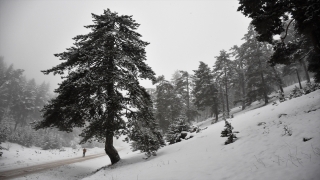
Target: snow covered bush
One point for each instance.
(22, 136)
(310, 87)
(146, 141)
(177, 130)
(3, 135)
(194, 128)
(227, 132)
(49, 142)
(296, 92)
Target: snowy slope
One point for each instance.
(19, 156)
(263, 151)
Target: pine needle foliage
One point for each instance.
(176, 128)
(101, 91)
(227, 132)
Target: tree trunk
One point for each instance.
(227, 99)
(264, 89)
(188, 100)
(298, 78)
(315, 41)
(281, 89)
(216, 113)
(278, 78)
(243, 93)
(305, 70)
(109, 148)
(111, 108)
(15, 126)
(263, 84)
(223, 110)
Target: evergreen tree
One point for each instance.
(227, 132)
(175, 130)
(22, 101)
(239, 66)
(9, 85)
(277, 71)
(290, 69)
(183, 86)
(260, 76)
(268, 17)
(41, 98)
(102, 87)
(205, 91)
(223, 70)
(168, 104)
(292, 51)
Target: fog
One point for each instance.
(181, 33)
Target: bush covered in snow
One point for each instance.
(22, 136)
(227, 132)
(310, 87)
(3, 135)
(50, 142)
(146, 141)
(27, 137)
(180, 129)
(296, 92)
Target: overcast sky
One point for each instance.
(181, 33)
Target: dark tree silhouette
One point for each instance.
(101, 91)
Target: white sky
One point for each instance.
(181, 33)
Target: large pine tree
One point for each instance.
(205, 91)
(223, 70)
(239, 66)
(101, 91)
(168, 105)
(260, 76)
(183, 88)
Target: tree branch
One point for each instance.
(282, 38)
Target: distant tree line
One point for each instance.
(239, 77)
(21, 101)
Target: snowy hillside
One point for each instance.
(277, 141)
(264, 150)
(19, 156)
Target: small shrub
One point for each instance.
(287, 130)
(296, 92)
(147, 141)
(310, 87)
(50, 142)
(22, 136)
(227, 132)
(3, 136)
(176, 130)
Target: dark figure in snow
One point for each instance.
(84, 152)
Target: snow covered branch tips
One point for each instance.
(101, 91)
(227, 132)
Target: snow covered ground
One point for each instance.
(270, 146)
(19, 156)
